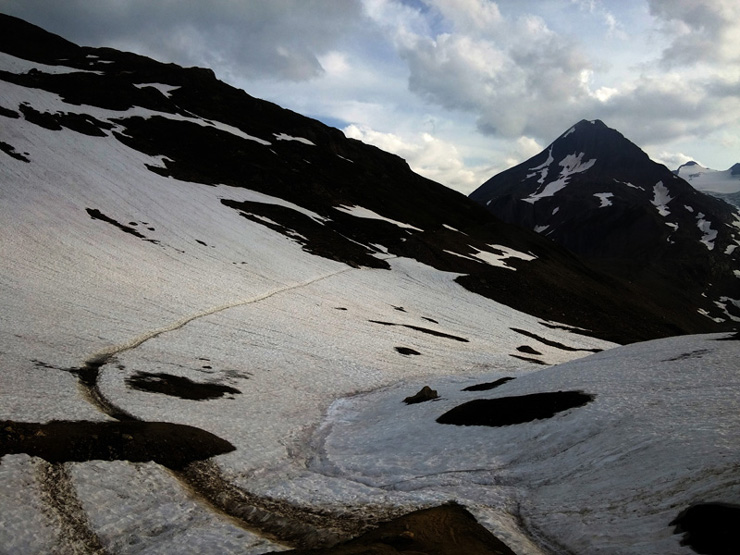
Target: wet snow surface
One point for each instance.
(115, 307)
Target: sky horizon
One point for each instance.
(462, 89)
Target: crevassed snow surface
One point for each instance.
(221, 299)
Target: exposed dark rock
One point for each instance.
(529, 359)
(423, 330)
(171, 445)
(178, 386)
(488, 385)
(506, 411)
(446, 530)
(527, 349)
(710, 528)
(550, 342)
(407, 351)
(10, 151)
(426, 393)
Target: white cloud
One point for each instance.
(427, 155)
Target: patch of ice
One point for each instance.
(540, 228)
(730, 249)
(689, 208)
(556, 210)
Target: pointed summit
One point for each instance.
(599, 195)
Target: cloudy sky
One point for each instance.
(462, 89)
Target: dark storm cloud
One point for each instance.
(277, 38)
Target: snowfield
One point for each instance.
(108, 266)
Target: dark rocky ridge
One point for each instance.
(626, 235)
(331, 172)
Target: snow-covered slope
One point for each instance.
(660, 435)
(140, 293)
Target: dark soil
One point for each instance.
(445, 530)
(426, 393)
(710, 528)
(171, 445)
(514, 410)
(178, 386)
(488, 385)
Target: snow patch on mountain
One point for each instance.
(360, 212)
(165, 89)
(705, 227)
(605, 199)
(661, 198)
(285, 137)
(571, 164)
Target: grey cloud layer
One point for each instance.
(258, 38)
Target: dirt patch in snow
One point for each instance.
(506, 411)
(171, 445)
(426, 393)
(407, 351)
(423, 330)
(488, 385)
(710, 528)
(444, 530)
(178, 386)
(551, 343)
